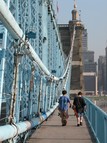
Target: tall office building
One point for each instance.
(89, 67)
(102, 75)
(89, 73)
(85, 40)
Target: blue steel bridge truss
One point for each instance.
(33, 68)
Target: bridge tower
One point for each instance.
(66, 31)
(77, 65)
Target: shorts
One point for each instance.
(80, 114)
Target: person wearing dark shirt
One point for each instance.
(63, 107)
(80, 105)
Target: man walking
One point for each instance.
(79, 104)
(64, 101)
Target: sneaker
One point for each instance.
(63, 124)
(80, 123)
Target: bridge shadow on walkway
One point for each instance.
(51, 131)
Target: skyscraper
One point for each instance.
(89, 67)
(85, 40)
(102, 74)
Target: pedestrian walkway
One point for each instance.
(51, 131)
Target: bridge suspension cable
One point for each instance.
(10, 23)
(68, 67)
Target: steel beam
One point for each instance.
(10, 23)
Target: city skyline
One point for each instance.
(92, 15)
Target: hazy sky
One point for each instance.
(94, 18)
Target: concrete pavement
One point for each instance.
(51, 131)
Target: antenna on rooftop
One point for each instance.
(75, 6)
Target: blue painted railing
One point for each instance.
(97, 119)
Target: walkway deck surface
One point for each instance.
(51, 131)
